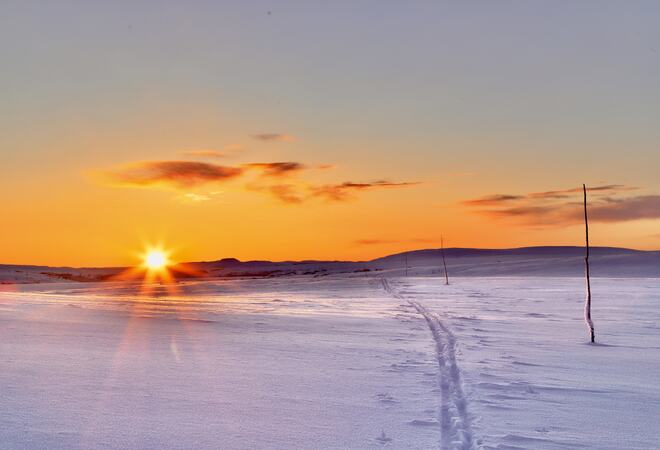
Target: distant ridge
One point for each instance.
(529, 261)
(547, 251)
(524, 261)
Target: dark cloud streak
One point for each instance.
(344, 191)
(277, 169)
(493, 200)
(608, 203)
(178, 174)
(274, 137)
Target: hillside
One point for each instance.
(526, 261)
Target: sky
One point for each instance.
(324, 130)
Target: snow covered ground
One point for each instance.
(339, 362)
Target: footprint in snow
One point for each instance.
(423, 423)
(386, 398)
(383, 438)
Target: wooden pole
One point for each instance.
(587, 304)
(406, 265)
(444, 263)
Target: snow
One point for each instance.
(339, 362)
(463, 262)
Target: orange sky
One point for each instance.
(214, 132)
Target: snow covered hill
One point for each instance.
(526, 261)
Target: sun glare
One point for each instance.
(155, 260)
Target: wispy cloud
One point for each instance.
(567, 193)
(394, 241)
(191, 197)
(375, 241)
(199, 197)
(325, 166)
(300, 193)
(344, 191)
(495, 199)
(276, 169)
(204, 153)
(176, 174)
(286, 193)
(185, 175)
(631, 208)
(225, 152)
(607, 203)
(274, 137)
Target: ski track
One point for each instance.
(455, 427)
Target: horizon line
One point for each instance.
(332, 260)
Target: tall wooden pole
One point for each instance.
(587, 304)
(444, 263)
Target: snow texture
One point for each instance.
(339, 362)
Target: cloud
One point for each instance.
(186, 175)
(177, 174)
(299, 193)
(394, 241)
(274, 137)
(567, 193)
(325, 166)
(632, 208)
(494, 199)
(374, 241)
(607, 203)
(277, 169)
(227, 151)
(286, 193)
(344, 191)
(499, 199)
(191, 197)
(534, 214)
(204, 153)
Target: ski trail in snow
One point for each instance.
(455, 428)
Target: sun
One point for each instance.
(155, 260)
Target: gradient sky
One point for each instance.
(474, 120)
